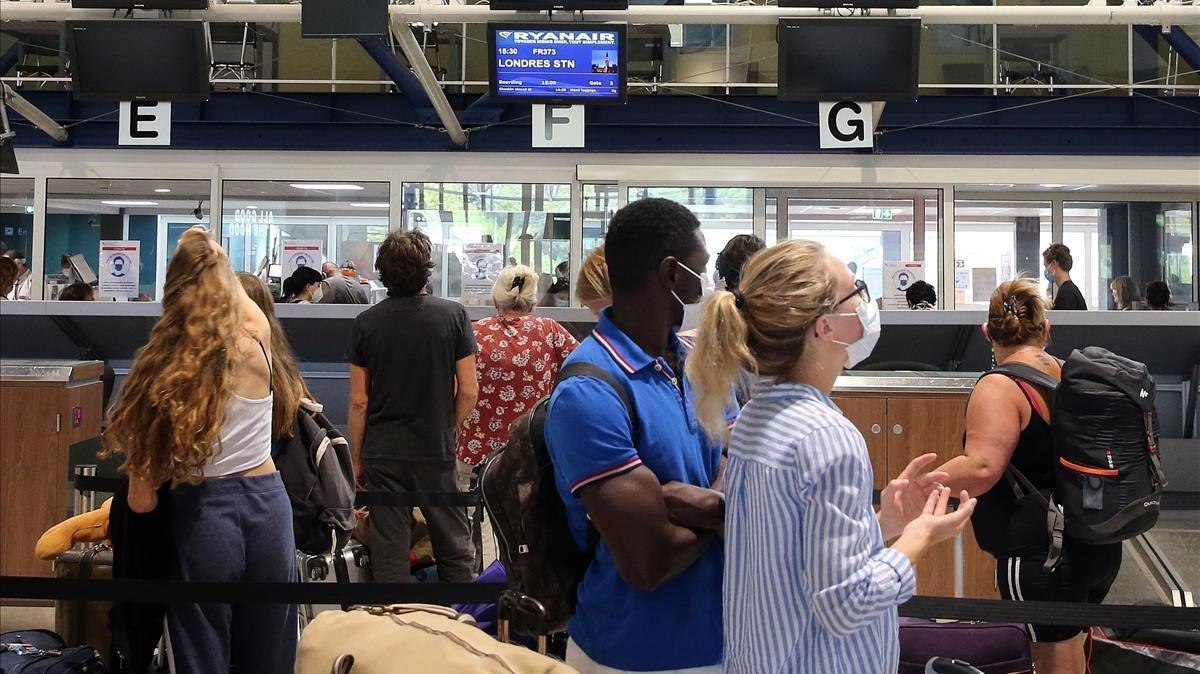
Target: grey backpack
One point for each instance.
(318, 473)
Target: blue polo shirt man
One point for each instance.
(589, 435)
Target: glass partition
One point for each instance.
(724, 212)
(80, 213)
(513, 223)
(267, 223)
(1146, 241)
(16, 231)
(600, 203)
(995, 241)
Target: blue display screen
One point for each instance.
(558, 63)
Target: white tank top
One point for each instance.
(245, 439)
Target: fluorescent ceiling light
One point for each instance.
(326, 186)
(163, 190)
(1052, 186)
(371, 204)
(251, 206)
(129, 203)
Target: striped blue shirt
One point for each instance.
(809, 586)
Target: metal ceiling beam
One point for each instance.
(1158, 14)
(33, 115)
(429, 82)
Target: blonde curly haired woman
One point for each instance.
(195, 413)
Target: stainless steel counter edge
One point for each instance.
(902, 382)
(582, 315)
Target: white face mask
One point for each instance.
(858, 351)
(317, 294)
(691, 312)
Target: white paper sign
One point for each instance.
(297, 253)
(120, 265)
(558, 125)
(482, 265)
(846, 124)
(897, 277)
(144, 123)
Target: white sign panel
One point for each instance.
(120, 265)
(897, 277)
(144, 123)
(297, 253)
(558, 125)
(846, 124)
(481, 267)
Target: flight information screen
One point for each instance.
(558, 63)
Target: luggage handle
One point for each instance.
(511, 599)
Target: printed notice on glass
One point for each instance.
(120, 266)
(897, 278)
(482, 264)
(297, 253)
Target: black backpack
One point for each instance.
(318, 473)
(1108, 478)
(529, 517)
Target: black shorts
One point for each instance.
(1084, 575)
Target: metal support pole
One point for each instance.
(433, 88)
(35, 116)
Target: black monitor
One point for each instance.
(343, 18)
(842, 58)
(138, 60)
(564, 5)
(140, 4)
(564, 63)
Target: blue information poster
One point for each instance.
(558, 63)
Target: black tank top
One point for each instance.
(1003, 525)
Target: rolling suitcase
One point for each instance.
(80, 621)
(993, 648)
(351, 564)
(43, 651)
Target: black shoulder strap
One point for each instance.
(270, 368)
(1026, 373)
(597, 372)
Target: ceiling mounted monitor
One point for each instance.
(849, 59)
(570, 64)
(136, 60)
(564, 5)
(343, 18)
(851, 4)
(140, 4)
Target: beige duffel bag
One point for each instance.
(411, 639)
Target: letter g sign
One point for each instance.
(846, 124)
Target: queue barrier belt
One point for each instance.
(361, 499)
(179, 592)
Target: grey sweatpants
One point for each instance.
(389, 535)
(235, 530)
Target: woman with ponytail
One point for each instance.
(809, 585)
(519, 358)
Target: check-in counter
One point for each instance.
(902, 416)
(46, 407)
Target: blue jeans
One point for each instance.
(235, 529)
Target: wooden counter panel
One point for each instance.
(32, 497)
(867, 415)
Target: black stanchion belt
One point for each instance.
(363, 498)
(178, 592)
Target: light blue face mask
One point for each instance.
(1048, 275)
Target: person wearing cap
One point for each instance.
(339, 288)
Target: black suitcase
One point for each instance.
(351, 565)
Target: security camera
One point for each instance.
(198, 211)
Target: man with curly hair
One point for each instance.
(412, 383)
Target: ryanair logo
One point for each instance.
(563, 36)
(505, 34)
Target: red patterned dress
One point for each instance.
(518, 359)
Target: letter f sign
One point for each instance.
(558, 126)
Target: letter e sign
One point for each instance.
(846, 124)
(144, 123)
